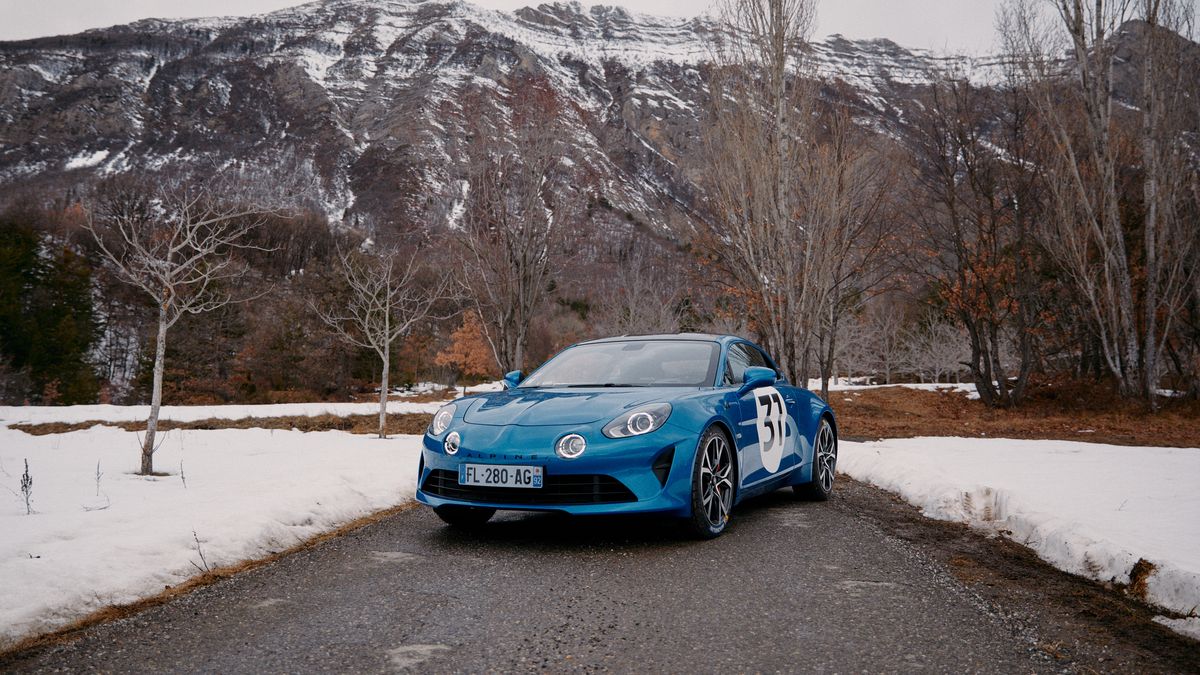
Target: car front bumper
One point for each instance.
(643, 474)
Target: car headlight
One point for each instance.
(452, 442)
(570, 446)
(441, 419)
(638, 421)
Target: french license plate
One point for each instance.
(500, 475)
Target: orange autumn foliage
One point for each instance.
(469, 351)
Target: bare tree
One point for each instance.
(1132, 286)
(518, 202)
(845, 183)
(852, 355)
(387, 296)
(886, 326)
(936, 348)
(974, 199)
(758, 126)
(646, 296)
(178, 245)
(792, 185)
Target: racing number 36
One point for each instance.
(772, 426)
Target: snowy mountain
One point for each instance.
(363, 99)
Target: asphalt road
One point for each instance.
(791, 586)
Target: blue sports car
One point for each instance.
(686, 425)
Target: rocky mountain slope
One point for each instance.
(363, 100)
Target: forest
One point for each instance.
(1038, 231)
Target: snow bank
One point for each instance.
(39, 414)
(967, 388)
(249, 493)
(1089, 509)
(1189, 626)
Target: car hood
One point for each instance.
(551, 407)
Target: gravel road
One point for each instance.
(860, 583)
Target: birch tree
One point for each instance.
(757, 124)
(388, 295)
(179, 246)
(1126, 254)
(791, 188)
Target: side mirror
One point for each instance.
(756, 377)
(512, 379)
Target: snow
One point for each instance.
(1189, 626)
(967, 388)
(1090, 509)
(86, 159)
(191, 413)
(248, 493)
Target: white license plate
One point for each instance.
(500, 475)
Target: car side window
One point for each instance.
(767, 362)
(742, 356)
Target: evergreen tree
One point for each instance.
(47, 321)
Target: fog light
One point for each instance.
(570, 446)
(452, 442)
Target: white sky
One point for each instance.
(941, 25)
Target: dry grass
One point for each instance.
(1058, 414)
(888, 412)
(1139, 576)
(115, 612)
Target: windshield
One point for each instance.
(632, 363)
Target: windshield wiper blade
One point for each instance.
(606, 385)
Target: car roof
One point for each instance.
(700, 337)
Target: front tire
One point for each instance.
(465, 517)
(824, 465)
(712, 485)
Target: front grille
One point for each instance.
(566, 489)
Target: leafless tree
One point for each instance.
(886, 326)
(936, 348)
(519, 200)
(974, 199)
(644, 297)
(852, 355)
(757, 130)
(388, 294)
(845, 184)
(1126, 255)
(179, 246)
(792, 186)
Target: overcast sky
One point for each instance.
(942, 25)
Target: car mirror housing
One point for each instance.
(756, 377)
(512, 379)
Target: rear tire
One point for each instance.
(712, 485)
(824, 465)
(465, 517)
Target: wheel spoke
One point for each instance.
(716, 480)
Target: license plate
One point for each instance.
(500, 475)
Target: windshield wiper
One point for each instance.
(598, 386)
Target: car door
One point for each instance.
(767, 431)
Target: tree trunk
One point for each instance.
(383, 390)
(160, 356)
